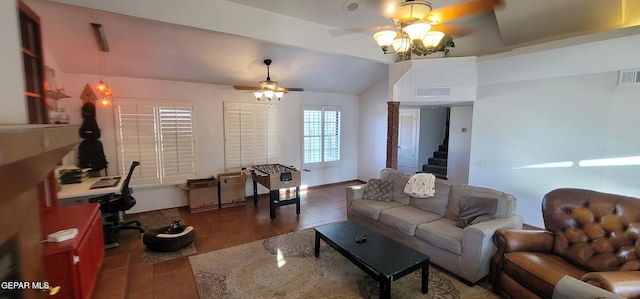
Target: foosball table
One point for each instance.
(275, 177)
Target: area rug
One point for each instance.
(285, 267)
(158, 219)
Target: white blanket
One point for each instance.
(421, 185)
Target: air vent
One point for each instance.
(430, 92)
(629, 77)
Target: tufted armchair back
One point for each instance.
(593, 230)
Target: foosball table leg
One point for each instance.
(274, 195)
(298, 200)
(255, 193)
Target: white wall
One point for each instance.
(554, 106)
(372, 138)
(209, 129)
(291, 135)
(456, 73)
(14, 104)
(460, 119)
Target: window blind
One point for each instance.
(251, 133)
(321, 134)
(160, 135)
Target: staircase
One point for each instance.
(437, 165)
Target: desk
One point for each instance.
(73, 194)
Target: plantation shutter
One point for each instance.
(158, 134)
(273, 131)
(312, 134)
(177, 142)
(321, 134)
(137, 141)
(251, 134)
(331, 134)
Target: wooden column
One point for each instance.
(392, 134)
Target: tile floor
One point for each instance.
(123, 276)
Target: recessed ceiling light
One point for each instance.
(351, 6)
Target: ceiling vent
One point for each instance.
(629, 77)
(431, 92)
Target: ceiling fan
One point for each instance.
(268, 89)
(419, 27)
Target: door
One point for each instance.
(408, 140)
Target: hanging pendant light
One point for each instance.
(105, 102)
(102, 88)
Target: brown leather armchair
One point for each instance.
(589, 235)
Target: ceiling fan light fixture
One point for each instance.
(385, 39)
(413, 26)
(417, 30)
(432, 39)
(268, 90)
(268, 84)
(401, 45)
(414, 21)
(411, 11)
(269, 93)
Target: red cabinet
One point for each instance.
(75, 264)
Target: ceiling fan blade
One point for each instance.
(293, 89)
(345, 31)
(452, 12)
(451, 30)
(240, 87)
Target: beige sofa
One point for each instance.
(429, 224)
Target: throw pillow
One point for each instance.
(453, 206)
(399, 180)
(378, 189)
(476, 209)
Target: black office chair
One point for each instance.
(113, 208)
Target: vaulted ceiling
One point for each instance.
(318, 45)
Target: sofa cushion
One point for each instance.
(436, 204)
(378, 189)
(372, 208)
(406, 218)
(505, 207)
(442, 233)
(399, 179)
(476, 209)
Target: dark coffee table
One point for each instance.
(382, 258)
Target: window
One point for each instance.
(251, 134)
(321, 134)
(32, 59)
(160, 135)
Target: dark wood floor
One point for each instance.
(123, 276)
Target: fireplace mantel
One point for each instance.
(29, 152)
